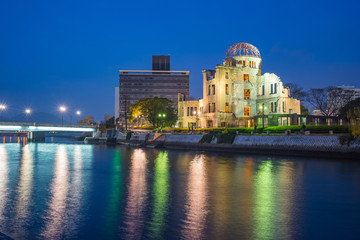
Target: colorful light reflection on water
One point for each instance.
(62, 191)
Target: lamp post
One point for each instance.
(2, 108)
(78, 113)
(27, 112)
(263, 108)
(62, 110)
(197, 118)
(162, 117)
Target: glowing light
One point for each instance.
(2, 107)
(62, 108)
(62, 129)
(10, 127)
(159, 114)
(164, 115)
(27, 111)
(78, 112)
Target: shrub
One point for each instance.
(346, 139)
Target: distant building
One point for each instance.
(107, 117)
(159, 82)
(117, 99)
(237, 94)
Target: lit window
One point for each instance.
(226, 107)
(227, 89)
(246, 77)
(247, 111)
(244, 63)
(246, 93)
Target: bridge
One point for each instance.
(36, 132)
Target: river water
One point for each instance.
(76, 191)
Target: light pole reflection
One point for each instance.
(56, 217)
(197, 200)
(116, 194)
(24, 191)
(137, 195)
(264, 199)
(4, 178)
(160, 195)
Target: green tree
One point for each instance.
(304, 110)
(354, 117)
(159, 112)
(350, 106)
(110, 123)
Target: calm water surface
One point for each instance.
(69, 191)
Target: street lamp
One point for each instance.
(197, 118)
(78, 113)
(162, 116)
(27, 112)
(263, 108)
(62, 110)
(2, 108)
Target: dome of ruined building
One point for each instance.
(242, 49)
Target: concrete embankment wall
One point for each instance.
(321, 146)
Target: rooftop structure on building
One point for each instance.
(158, 82)
(236, 92)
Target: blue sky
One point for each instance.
(70, 52)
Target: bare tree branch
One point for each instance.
(329, 100)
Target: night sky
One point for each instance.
(70, 52)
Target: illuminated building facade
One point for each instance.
(236, 92)
(160, 82)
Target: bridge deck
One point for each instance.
(35, 127)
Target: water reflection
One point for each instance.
(264, 208)
(160, 195)
(287, 199)
(4, 175)
(116, 193)
(25, 188)
(74, 201)
(197, 206)
(137, 195)
(56, 214)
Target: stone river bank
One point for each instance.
(297, 145)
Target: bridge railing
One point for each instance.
(46, 124)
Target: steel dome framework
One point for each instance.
(242, 49)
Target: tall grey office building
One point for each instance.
(139, 84)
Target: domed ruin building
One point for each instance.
(236, 94)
